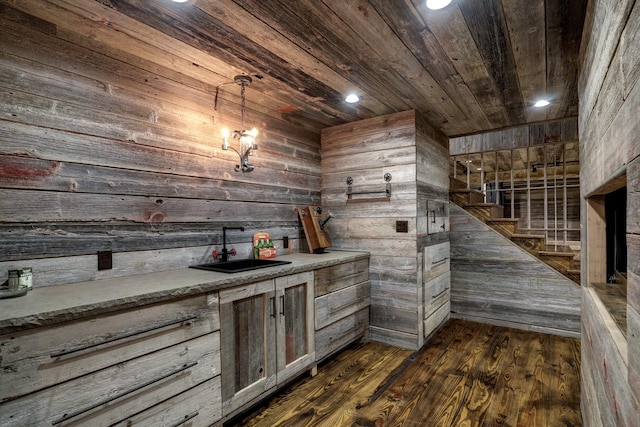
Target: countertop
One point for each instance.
(53, 304)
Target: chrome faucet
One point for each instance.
(225, 253)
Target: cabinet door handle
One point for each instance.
(65, 352)
(273, 307)
(282, 304)
(440, 293)
(433, 220)
(184, 419)
(67, 417)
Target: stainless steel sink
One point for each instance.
(239, 265)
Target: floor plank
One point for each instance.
(469, 374)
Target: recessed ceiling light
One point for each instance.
(352, 98)
(180, 1)
(437, 4)
(541, 103)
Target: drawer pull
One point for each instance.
(439, 262)
(122, 337)
(185, 419)
(440, 293)
(273, 307)
(67, 417)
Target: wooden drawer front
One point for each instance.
(436, 261)
(115, 393)
(432, 322)
(199, 406)
(35, 359)
(331, 279)
(339, 334)
(436, 293)
(336, 305)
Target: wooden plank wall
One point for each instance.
(106, 147)
(522, 136)
(494, 281)
(415, 156)
(609, 144)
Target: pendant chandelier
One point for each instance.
(246, 138)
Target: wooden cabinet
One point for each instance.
(436, 278)
(343, 296)
(438, 216)
(266, 337)
(122, 367)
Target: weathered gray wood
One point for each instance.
(295, 345)
(338, 334)
(436, 293)
(84, 392)
(331, 279)
(415, 155)
(204, 400)
(28, 362)
(344, 302)
(494, 280)
(247, 343)
(610, 347)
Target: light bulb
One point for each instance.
(352, 98)
(541, 103)
(437, 4)
(225, 138)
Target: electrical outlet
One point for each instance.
(105, 260)
(402, 226)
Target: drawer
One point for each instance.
(199, 406)
(434, 321)
(336, 305)
(436, 261)
(39, 358)
(337, 335)
(115, 393)
(436, 293)
(334, 278)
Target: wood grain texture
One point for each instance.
(494, 280)
(414, 155)
(89, 130)
(468, 374)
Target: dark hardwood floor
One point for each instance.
(469, 374)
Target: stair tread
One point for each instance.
(465, 190)
(530, 236)
(482, 205)
(503, 220)
(557, 253)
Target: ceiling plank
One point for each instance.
(526, 25)
(297, 33)
(425, 92)
(412, 30)
(564, 26)
(451, 31)
(494, 47)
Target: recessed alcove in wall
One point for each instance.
(607, 248)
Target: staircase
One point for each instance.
(561, 258)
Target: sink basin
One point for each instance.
(239, 265)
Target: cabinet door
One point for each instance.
(295, 324)
(247, 332)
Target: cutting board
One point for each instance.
(317, 237)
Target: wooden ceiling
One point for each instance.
(474, 66)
